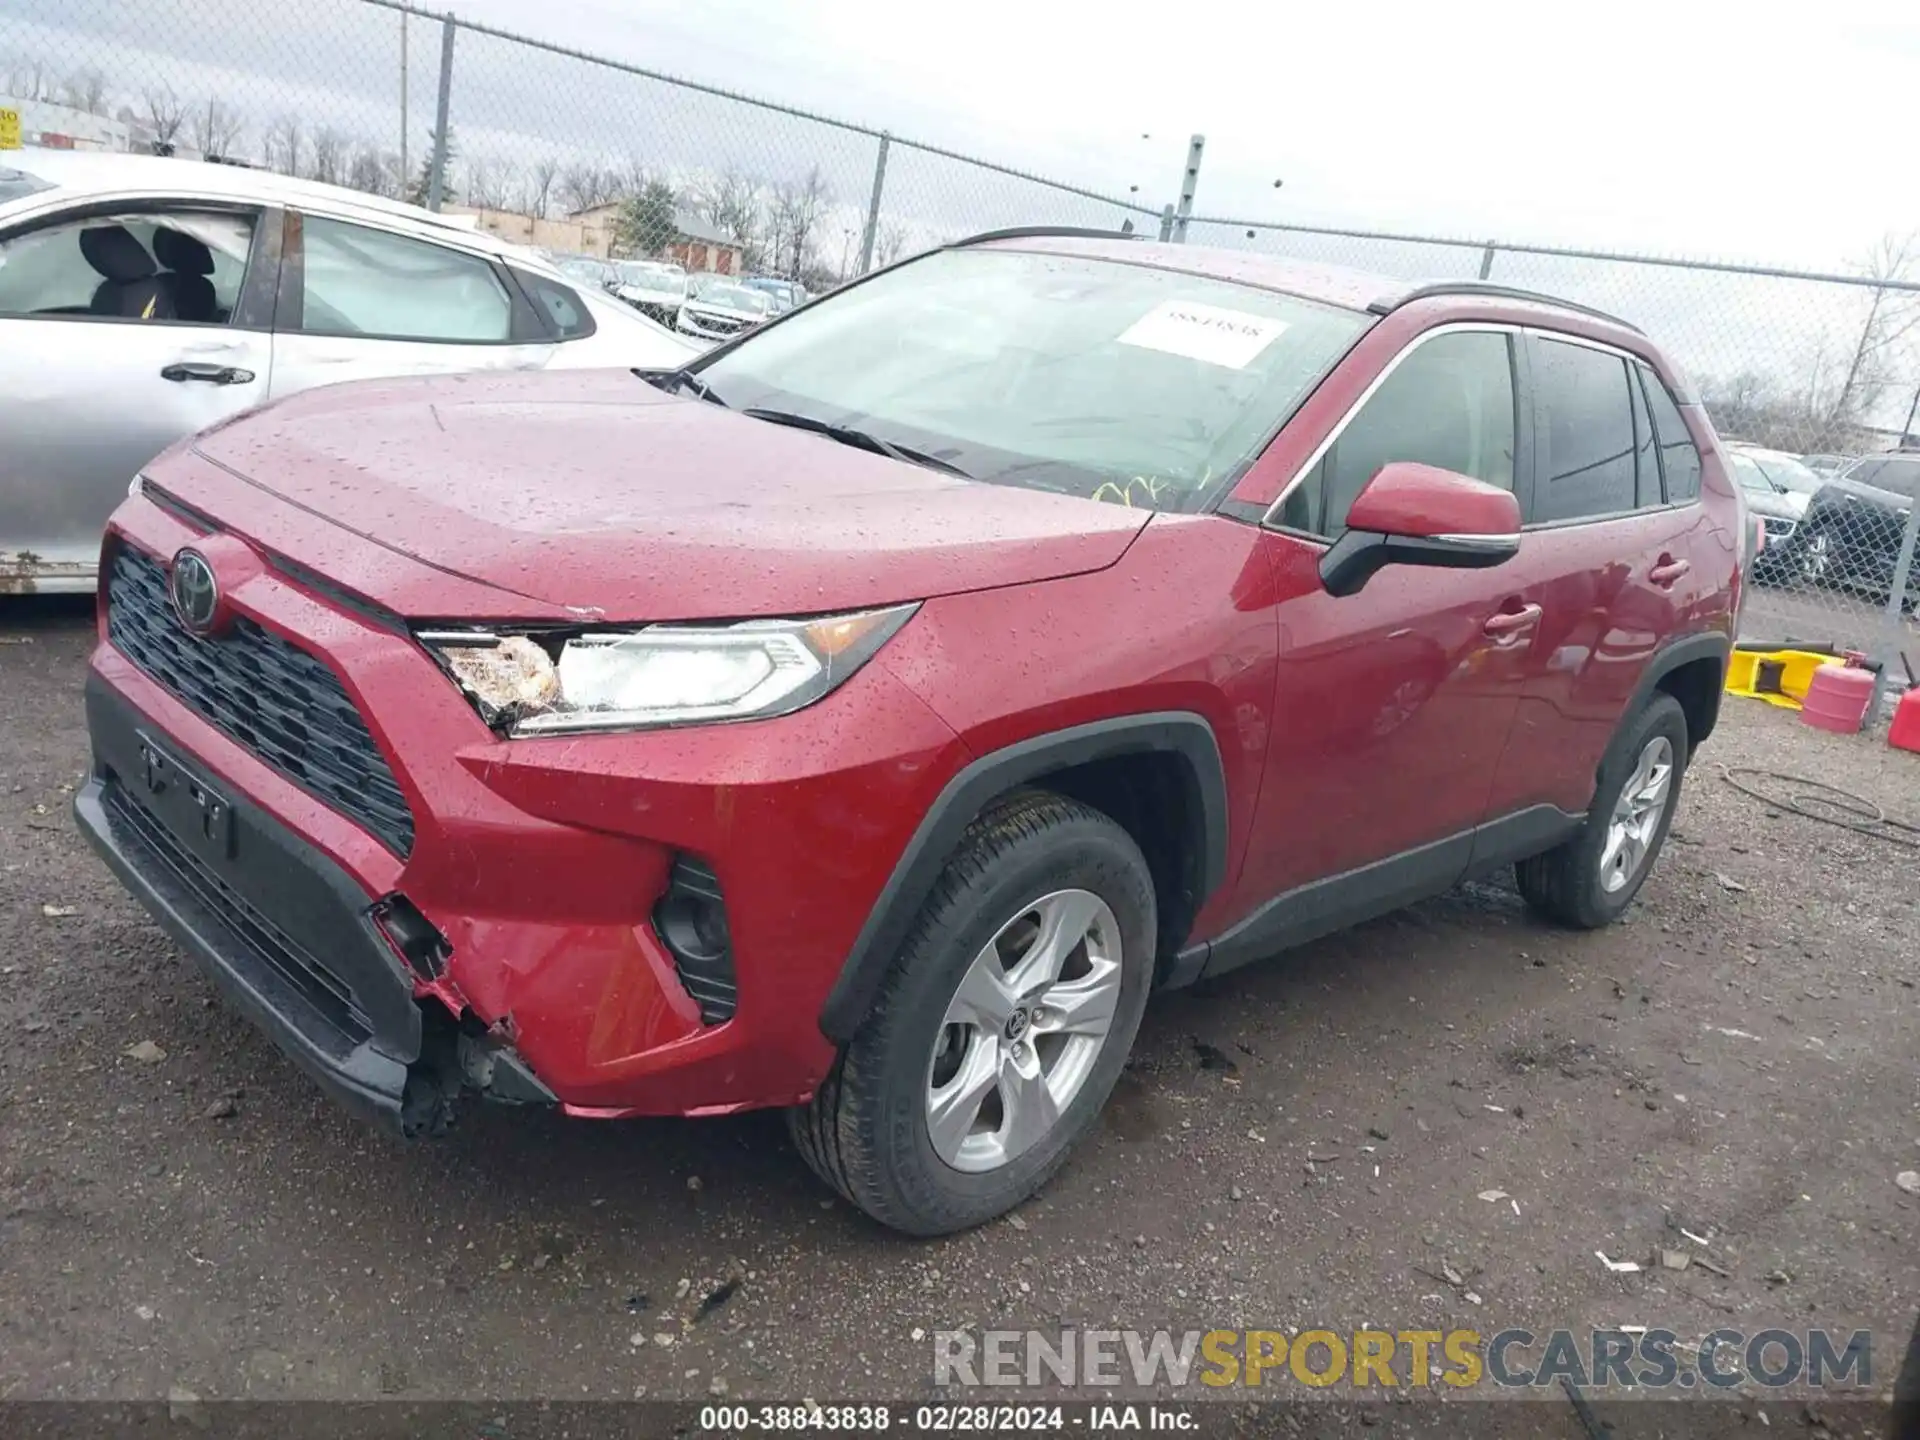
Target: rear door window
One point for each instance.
(362, 281)
(1584, 436)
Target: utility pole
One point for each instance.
(406, 175)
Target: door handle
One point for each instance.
(207, 374)
(1509, 623)
(1668, 571)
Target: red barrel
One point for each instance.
(1906, 721)
(1837, 698)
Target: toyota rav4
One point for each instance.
(868, 718)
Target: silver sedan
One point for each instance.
(143, 299)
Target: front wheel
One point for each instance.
(1590, 880)
(1001, 1028)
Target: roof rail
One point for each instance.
(1497, 292)
(1032, 232)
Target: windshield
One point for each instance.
(1089, 377)
(652, 277)
(17, 185)
(1749, 474)
(730, 293)
(1788, 473)
(1899, 474)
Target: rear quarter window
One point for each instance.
(558, 305)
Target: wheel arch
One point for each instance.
(1172, 755)
(1692, 669)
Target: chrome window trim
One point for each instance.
(1455, 327)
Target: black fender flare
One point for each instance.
(1179, 732)
(1715, 645)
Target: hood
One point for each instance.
(593, 492)
(721, 307)
(675, 293)
(1778, 505)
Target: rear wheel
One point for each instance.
(1591, 879)
(1001, 1028)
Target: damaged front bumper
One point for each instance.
(287, 935)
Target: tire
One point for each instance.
(868, 1131)
(1568, 884)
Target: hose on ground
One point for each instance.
(1817, 800)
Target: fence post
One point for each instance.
(1486, 261)
(437, 166)
(1166, 222)
(1189, 182)
(1892, 630)
(872, 230)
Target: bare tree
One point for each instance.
(285, 143)
(165, 115)
(888, 242)
(585, 186)
(491, 184)
(1892, 316)
(793, 216)
(731, 203)
(377, 172)
(28, 80)
(85, 90)
(538, 195)
(329, 156)
(216, 129)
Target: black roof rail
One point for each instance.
(1034, 232)
(1497, 292)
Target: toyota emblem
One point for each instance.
(194, 591)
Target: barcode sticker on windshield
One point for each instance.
(1209, 333)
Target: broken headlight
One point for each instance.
(659, 674)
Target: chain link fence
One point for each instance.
(581, 153)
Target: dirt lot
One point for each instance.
(1737, 1059)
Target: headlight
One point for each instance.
(660, 674)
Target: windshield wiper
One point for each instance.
(674, 381)
(859, 439)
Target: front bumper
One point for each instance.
(541, 862)
(712, 327)
(250, 901)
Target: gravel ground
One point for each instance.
(1736, 1058)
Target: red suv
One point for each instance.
(865, 719)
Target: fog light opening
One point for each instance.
(691, 921)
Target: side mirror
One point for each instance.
(1411, 514)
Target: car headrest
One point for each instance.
(181, 253)
(113, 253)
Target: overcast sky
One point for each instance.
(1744, 131)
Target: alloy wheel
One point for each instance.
(1636, 815)
(1023, 1030)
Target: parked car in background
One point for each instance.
(1826, 466)
(656, 288)
(864, 724)
(718, 308)
(1779, 511)
(1787, 474)
(787, 294)
(1853, 530)
(588, 270)
(143, 299)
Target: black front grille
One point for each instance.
(280, 702)
(292, 962)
